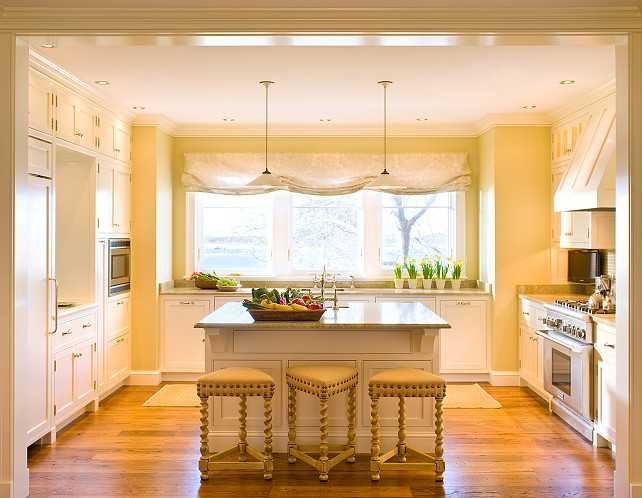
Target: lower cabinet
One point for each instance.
(531, 346)
(73, 377)
(118, 359)
(605, 392)
(182, 343)
(463, 347)
(428, 302)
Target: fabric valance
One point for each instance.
(326, 173)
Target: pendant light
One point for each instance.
(385, 180)
(266, 179)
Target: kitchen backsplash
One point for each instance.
(607, 262)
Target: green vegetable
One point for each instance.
(224, 282)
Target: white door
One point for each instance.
(66, 117)
(101, 299)
(184, 346)
(105, 128)
(64, 381)
(463, 347)
(606, 399)
(41, 304)
(41, 101)
(527, 349)
(118, 359)
(122, 200)
(122, 142)
(105, 196)
(84, 371)
(85, 126)
(118, 316)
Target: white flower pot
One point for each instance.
(399, 283)
(412, 283)
(456, 283)
(441, 283)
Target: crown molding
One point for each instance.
(159, 120)
(60, 75)
(588, 99)
(510, 119)
(33, 21)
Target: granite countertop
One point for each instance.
(549, 298)
(369, 291)
(356, 316)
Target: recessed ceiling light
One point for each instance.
(138, 107)
(422, 119)
(567, 82)
(325, 120)
(530, 106)
(101, 82)
(47, 45)
(228, 119)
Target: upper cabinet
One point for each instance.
(64, 115)
(564, 138)
(113, 205)
(588, 230)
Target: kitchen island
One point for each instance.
(368, 337)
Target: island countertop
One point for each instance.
(397, 316)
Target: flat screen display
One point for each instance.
(583, 265)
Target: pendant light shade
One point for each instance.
(385, 180)
(266, 179)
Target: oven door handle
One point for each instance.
(544, 333)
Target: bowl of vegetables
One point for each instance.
(291, 305)
(204, 280)
(227, 284)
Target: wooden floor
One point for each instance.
(126, 449)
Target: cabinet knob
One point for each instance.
(115, 224)
(85, 325)
(116, 150)
(67, 333)
(78, 134)
(77, 355)
(120, 302)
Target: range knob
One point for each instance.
(583, 334)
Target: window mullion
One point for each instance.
(282, 222)
(371, 233)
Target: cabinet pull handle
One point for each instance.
(120, 340)
(187, 302)
(463, 303)
(115, 224)
(525, 313)
(56, 315)
(116, 150)
(612, 346)
(67, 333)
(78, 134)
(85, 325)
(120, 302)
(77, 355)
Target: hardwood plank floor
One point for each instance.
(125, 449)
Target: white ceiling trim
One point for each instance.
(158, 120)
(496, 119)
(602, 92)
(35, 21)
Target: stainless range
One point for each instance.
(568, 361)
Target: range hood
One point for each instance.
(589, 182)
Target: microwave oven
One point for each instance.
(583, 265)
(119, 266)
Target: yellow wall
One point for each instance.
(151, 238)
(326, 144)
(515, 193)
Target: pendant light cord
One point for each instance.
(385, 84)
(267, 85)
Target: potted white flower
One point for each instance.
(397, 269)
(456, 273)
(427, 271)
(411, 268)
(441, 272)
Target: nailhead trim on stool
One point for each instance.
(401, 383)
(322, 381)
(240, 382)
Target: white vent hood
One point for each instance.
(589, 182)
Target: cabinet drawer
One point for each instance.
(605, 343)
(74, 329)
(117, 317)
(532, 316)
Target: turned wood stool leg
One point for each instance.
(268, 462)
(205, 450)
(242, 428)
(324, 468)
(352, 418)
(439, 440)
(375, 463)
(291, 423)
(401, 444)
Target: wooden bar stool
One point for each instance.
(241, 382)
(401, 383)
(322, 381)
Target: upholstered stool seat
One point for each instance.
(240, 382)
(401, 383)
(322, 381)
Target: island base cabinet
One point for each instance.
(118, 359)
(464, 347)
(73, 378)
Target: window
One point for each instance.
(285, 233)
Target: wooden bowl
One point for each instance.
(286, 315)
(205, 284)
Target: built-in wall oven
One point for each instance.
(119, 266)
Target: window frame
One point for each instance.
(280, 260)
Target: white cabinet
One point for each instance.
(41, 104)
(531, 346)
(220, 300)
(40, 158)
(122, 142)
(118, 317)
(113, 202)
(105, 132)
(41, 303)
(463, 347)
(183, 345)
(564, 138)
(556, 217)
(74, 119)
(118, 359)
(428, 302)
(588, 230)
(605, 389)
(73, 378)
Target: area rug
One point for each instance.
(468, 396)
(175, 395)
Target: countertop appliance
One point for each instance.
(568, 361)
(119, 266)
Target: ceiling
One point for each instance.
(197, 82)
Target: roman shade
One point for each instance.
(325, 173)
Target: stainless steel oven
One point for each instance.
(568, 367)
(119, 266)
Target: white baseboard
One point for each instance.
(145, 377)
(182, 376)
(636, 491)
(504, 378)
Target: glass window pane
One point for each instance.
(236, 232)
(326, 230)
(414, 231)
